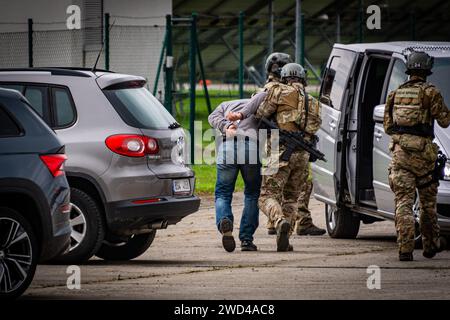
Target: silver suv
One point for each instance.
(354, 182)
(126, 164)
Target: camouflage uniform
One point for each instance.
(414, 103)
(280, 191)
(304, 219)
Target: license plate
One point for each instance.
(181, 186)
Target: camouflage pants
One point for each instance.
(303, 218)
(404, 183)
(280, 191)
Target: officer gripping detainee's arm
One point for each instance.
(270, 104)
(247, 127)
(249, 109)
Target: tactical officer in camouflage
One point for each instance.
(409, 118)
(273, 65)
(293, 111)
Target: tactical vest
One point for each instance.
(287, 111)
(309, 119)
(271, 84)
(408, 113)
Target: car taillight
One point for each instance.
(132, 145)
(54, 163)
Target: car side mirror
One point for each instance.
(378, 113)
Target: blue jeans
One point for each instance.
(228, 168)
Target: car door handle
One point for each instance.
(378, 135)
(332, 125)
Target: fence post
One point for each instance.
(160, 64)
(241, 55)
(192, 80)
(168, 65)
(106, 28)
(202, 73)
(302, 40)
(30, 43)
(298, 30)
(360, 22)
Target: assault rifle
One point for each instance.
(294, 141)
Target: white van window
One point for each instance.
(440, 77)
(398, 75)
(336, 77)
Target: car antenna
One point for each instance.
(101, 49)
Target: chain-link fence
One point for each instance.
(14, 49)
(131, 49)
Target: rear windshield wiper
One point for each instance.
(174, 125)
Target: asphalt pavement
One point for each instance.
(187, 261)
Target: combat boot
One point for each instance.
(283, 228)
(405, 256)
(430, 253)
(311, 230)
(226, 229)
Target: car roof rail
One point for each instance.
(53, 70)
(425, 47)
(82, 69)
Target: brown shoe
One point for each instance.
(226, 229)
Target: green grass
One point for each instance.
(205, 176)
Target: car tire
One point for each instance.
(21, 269)
(135, 246)
(84, 242)
(341, 224)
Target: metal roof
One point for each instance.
(218, 30)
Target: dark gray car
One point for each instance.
(34, 194)
(126, 165)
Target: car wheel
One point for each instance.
(18, 254)
(129, 249)
(341, 224)
(88, 228)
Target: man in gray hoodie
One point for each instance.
(237, 151)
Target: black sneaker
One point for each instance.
(406, 256)
(283, 228)
(226, 228)
(271, 231)
(312, 230)
(248, 246)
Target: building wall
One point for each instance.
(135, 39)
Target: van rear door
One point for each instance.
(334, 96)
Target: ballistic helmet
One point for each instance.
(293, 70)
(419, 61)
(276, 61)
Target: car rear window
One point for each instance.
(139, 108)
(8, 128)
(64, 108)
